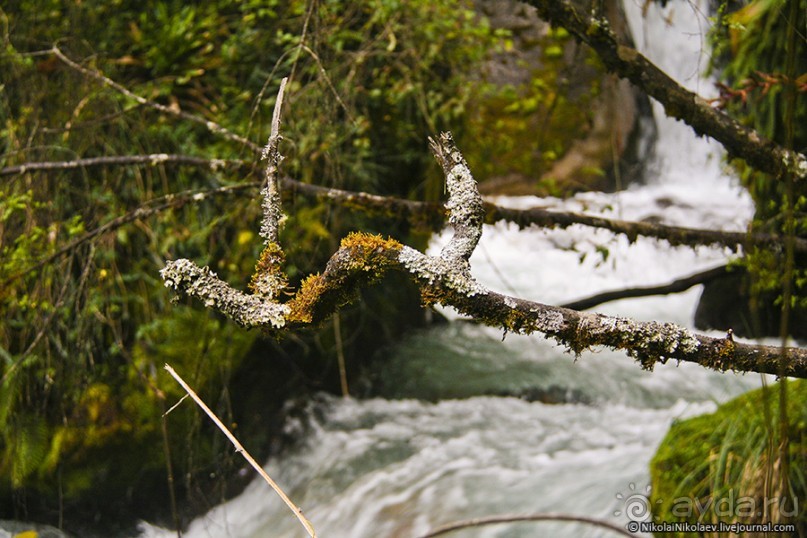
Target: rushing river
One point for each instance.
(458, 427)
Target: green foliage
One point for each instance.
(85, 334)
(711, 467)
(751, 47)
(753, 40)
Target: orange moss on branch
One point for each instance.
(361, 260)
(269, 278)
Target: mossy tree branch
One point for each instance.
(427, 215)
(446, 279)
(680, 103)
(269, 278)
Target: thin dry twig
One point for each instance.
(493, 520)
(676, 286)
(211, 126)
(240, 449)
(329, 83)
(151, 159)
(309, 12)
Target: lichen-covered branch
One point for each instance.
(465, 211)
(187, 278)
(431, 215)
(675, 235)
(269, 279)
(678, 102)
(446, 279)
(271, 191)
(362, 259)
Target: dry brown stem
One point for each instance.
(298, 513)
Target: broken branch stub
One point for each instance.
(269, 279)
(272, 212)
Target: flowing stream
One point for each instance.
(465, 425)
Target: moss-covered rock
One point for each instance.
(549, 119)
(726, 466)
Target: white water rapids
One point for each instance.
(433, 450)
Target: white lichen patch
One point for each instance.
(453, 275)
(463, 197)
(550, 322)
(801, 167)
(465, 213)
(663, 339)
(465, 210)
(272, 215)
(185, 277)
(268, 284)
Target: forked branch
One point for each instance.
(446, 279)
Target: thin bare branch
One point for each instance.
(308, 13)
(152, 159)
(675, 235)
(431, 215)
(676, 286)
(328, 82)
(298, 513)
(515, 518)
(211, 126)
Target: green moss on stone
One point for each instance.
(715, 467)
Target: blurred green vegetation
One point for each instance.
(86, 333)
(525, 128)
(724, 467)
(85, 336)
(752, 52)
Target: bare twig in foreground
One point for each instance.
(240, 449)
(492, 520)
